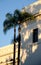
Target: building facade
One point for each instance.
(6, 54)
(31, 36)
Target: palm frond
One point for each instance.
(21, 16)
(8, 15)
(7, 25)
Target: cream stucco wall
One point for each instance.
(6, 53)
(32, 50)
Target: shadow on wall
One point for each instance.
(31, 54)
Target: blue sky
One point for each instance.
(5, 7)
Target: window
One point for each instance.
(35, 35)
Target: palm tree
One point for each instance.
(9, 23)
(20, 16)
(12, 21)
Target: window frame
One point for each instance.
(35, 35)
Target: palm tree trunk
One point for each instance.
(19, 44)
(14, 45)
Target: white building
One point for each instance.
(30, 38)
